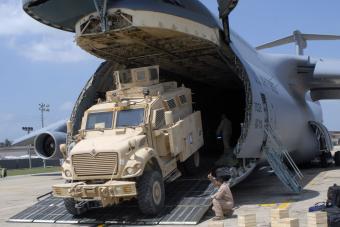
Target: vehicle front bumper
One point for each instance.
(111, 192)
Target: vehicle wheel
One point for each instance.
(70, 205)
(337, 158)
(325, 159)
(192, 164)
(151, 193)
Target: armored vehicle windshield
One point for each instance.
(102, 120)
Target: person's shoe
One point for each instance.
(217, 218)
(229, 214)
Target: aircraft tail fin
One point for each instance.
(300, 40)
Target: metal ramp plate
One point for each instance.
(186, 203)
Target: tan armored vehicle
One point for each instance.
(131, 143)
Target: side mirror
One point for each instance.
(82, 133)
(63, 150)
(69, 126)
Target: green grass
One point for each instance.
(16, 172)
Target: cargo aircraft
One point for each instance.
(272, 100)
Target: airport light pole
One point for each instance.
(43, 108)
(29, 130)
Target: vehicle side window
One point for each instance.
(130, 118)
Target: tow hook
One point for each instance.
(81, 204)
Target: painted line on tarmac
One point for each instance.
(277, 205)
(284, 206)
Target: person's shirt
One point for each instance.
(224, 194)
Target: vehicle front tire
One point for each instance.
(70, 205)
(337, 158)
(151, 192)
(192, 164)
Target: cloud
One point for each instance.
(49, 49)
(14, 21)
(33, 40)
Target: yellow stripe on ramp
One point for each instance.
(283, 205)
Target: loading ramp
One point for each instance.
(187, 201)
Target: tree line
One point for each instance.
(6, 143)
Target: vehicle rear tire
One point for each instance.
(192, 164)
(151, 192)
(337, 158)
(70, 205)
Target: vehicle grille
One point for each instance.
(105, 163)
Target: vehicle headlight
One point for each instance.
(119, 190)
(131, 170)
(68, 173)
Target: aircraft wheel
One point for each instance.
(192, 164)
(325, 159)
(151, 192)
(337, 158)
(70, 205)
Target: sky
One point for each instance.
(39, 64)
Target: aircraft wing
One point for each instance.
(59, 126)
(324, 79)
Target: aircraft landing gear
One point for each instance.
(337, 158)
(326, 159)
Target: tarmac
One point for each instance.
(260, 193)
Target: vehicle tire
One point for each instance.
(337, 158)
(151, 193)
(70, 205)
(325, 159)
(192, 164)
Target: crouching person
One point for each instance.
(223, 201)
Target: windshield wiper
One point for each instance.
(98, 129)
(129, 126)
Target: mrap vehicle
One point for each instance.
(131, 143)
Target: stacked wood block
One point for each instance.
(277, 215)
(247, 220)
(317, 219)
(216, 224)
(288, 222)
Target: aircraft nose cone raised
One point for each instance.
(64, 14)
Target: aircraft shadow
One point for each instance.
(263, 187)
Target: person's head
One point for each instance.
(223, 116)
(221, 179)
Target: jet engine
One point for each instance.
(47, 145)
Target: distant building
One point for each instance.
(20, 152)
(335, 135)
(18, 158)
